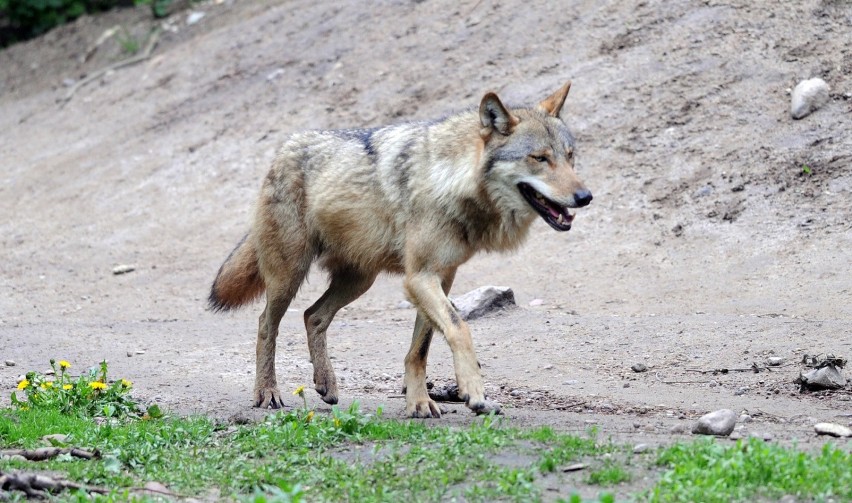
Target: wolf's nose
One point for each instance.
(582, 197)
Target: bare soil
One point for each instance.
(707, 245)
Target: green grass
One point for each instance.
(710, 472)
(353, 456)
(289, 456)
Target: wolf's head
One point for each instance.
(528, 158)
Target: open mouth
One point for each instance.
(554, 214)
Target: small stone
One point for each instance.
(835, 430)
(570, 382)
(828, 377)
(68, 82)
(483, 300)
(639, 367)
(516, 393)
(735, 435)
(575, 467)
(129, 354)
(679, 428)
(140, 352)
(10, 363)
(774, 361)
(16, 457)
(123, 269)
(741, 391)
(548, 367)
(763, 435)
(637, 425)
(703, 191)
(536, 302)
(194, 17)
(55, 439)
(720, 423)
(744, 418)
(808, 96)
(640, 448)
(404, 304)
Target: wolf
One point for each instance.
(416, 199)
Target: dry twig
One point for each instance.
(145, 54)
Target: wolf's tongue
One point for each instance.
(554, 213)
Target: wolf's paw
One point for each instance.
(485, 407)
(268, 396)
(424, 408)
(325, 383)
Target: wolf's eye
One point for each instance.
(569, 154)
(539, 158)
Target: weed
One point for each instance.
(89, 395)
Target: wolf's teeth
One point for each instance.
(560, 220)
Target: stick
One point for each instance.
(45, 453)
(146, 53)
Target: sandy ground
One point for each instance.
(706, 245)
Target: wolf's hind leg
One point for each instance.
(346, 286)
(281, 287)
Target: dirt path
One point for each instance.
(706, 246)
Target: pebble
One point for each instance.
(536, 302)
(516, 393)
(10, 363)
(720, 423)
(835, 430)
(575, 467)
(140, 352)
(640, 448)
(678, 429)
(741, 391)
(123, 269)
(548, 367)
(703, 191)
(774, 361)
(808, 96)
(56, 438)
(129, 354)
(763, 435)
(570, 382)
(735, 435)
(825, 378)
(639, 367)
(194, 17)
(744, 418)
(404, 304)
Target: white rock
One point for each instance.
(835, 430)
(720, 423)
(10, 363)
(640, 448)
(404, 304)
(774, 361)
(808, 96)
(536, 302)
(194, 17)
(483, 300)
(123, 269)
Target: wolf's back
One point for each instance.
(238, 281)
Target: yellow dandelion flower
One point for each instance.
(47, 385)
(67, 386)
(300, 391)
(125, 383)
(97, 385)
(23, 384)
(64, 364)
(310, 416)
(337, 423)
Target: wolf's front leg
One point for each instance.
(425, 291)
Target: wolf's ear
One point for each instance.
(493, 115)
(553, 104)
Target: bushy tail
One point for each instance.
(238, 281)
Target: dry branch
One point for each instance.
(45, 453)
(145, 54)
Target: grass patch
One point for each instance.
(710, 472)
(354, 456)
